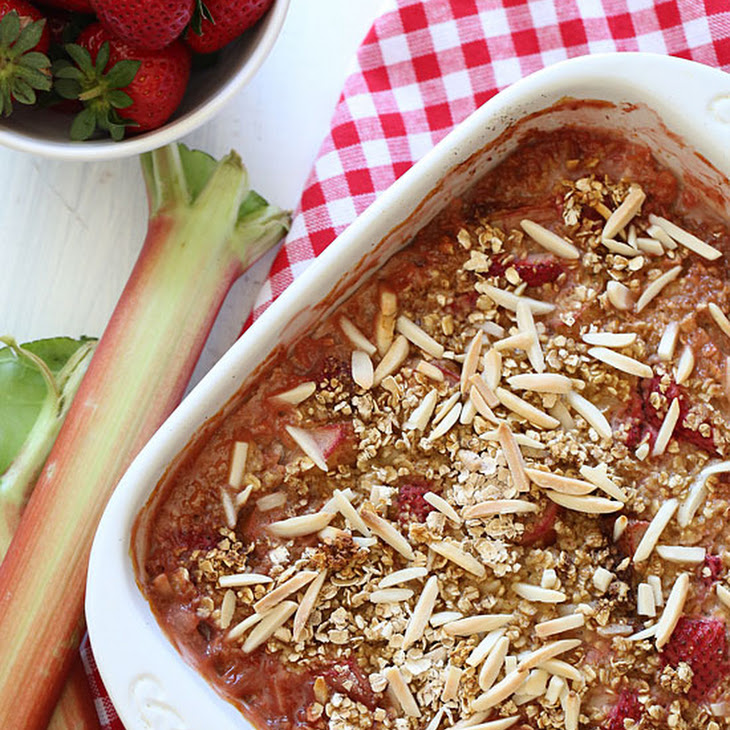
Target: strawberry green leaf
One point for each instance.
(83, 125)
(122, 73)
(29, 37)
(9, 28)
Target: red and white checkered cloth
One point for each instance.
(426, 65)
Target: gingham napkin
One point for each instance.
(425, 66)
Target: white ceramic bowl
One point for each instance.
(46, 133)
(679, 108)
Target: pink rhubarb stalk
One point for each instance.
(205, 227)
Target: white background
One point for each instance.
(71, 231)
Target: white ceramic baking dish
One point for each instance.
(679, 108)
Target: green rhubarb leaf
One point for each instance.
(23, 389)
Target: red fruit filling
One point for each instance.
(412, 507)
(534, 272)
(541, 531)
(628, 707)
(347, 677)
(701, 643)
(710, 570)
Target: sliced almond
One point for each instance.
(238, 580)
(402, 576)
(500, 691)
(492, 361)
(598, 475)
(526, 323)
(269, 623)
(622, 249)
(550, 241)
(243, 626)
(667, 428)
(538, 594)
(420, 416)
(560, 625)
(493, 663)
(559, 668)
(385, 321)
(445, 407)
(430, 371)
(300, 525)
(307, 605)
(356, 337)
(513, 456)
(362, 369)
(444, 617)
(619, 527)
(556, 688)
(458, 556)
(243, 496)
(687, 239)
(445, 424)
(681, 554)
(619, 295)
(526, 442)
(621, 362)
(484, 647)
(685, 366)
(571, 708)
(390, 595)
(471, 362)
(624, 214)
(720, 318)
(308, 445)
(422, 612)
(589, 504)
(519, 341)
(602, 578)
(654, 531)
(659, 234)
(498, 507)
(481, 406)
(653, 288)
(546, 652)
(468, 412)
(656, 585)
(401, 692)
(650, 246)
(723, 594)
(228, 608)
(238, 464)
(271, 501)
(298, 394)
(452, 677)
(419, 337)
(540, 382)
(508, 300)
(394, 357)
(229, 509)
(560, 411)
(645, 603)
(668, 342)
(442, 506)
(672, 611)
(485, 390)
(590, 413)
(343, 505)
(522, 408)
(271, 599)
(566, 485)
(387, 533)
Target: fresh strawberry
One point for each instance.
(24, 66)
(76, 6)
(146, 24)
(701, 643)
(627, 707)
(110, 75)
(411, 505)
(224, 21)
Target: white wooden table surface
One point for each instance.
(70, 232)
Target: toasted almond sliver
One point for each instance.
(619, 526)
(298, 394)
(452, 677)
(418, 420)
(356, 337)
(681, 554)
(668, 342)
(571, 708)
(548, 651)
(243, 626)
(598, 475)
(659, 234)
(522, 408)
(559, 625)
(656, 585)
(589, 504)
(445, 407)
(540, 382)
(237, 580)
(442, 506)
(456, 555)
(526, 323)
(300, 525)
(498, 507)
(484, 647)
(687, 239)
(468, 412)
(723, 594)
(667, 428)
(524, 441)
(508, 300)
(621, 362)
(477, 624)
(624, 214)
(520, 341)
(649, 245)
(228, 608)
(590, 413)
(513, 456)
(445, 424)
(341, 502)
(623, 249)
(655, 529)
(561, 412)
(286, 589)
(308, 602)
(481, 406)
(565, 485)
(419, 337)
(392, 359)
(271, 501)
(538, 594)
(559, 668)
(242, 497)
(444, 617)
(493, 663)
(642, 635)
(270, 622)
(401, 691)
(619, 295)
(653, 288)
(697, 491)
(602, 578)
(500, 691)
(471, 362)
(362, 369)
(492, 362)
(402, 576)
(387, 533)
(229, 509)
(430, 371)
(548, 240)
(556, 688)
(645, 603)
(720, 318)
(436, 719)
(421, 613)
(308, 445)
(390, 595)
(485, 390)
(672, 611)
(238, 464)
(685, 366)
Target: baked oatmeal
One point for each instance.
(491, 490)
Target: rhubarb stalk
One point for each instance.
(205, 227)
